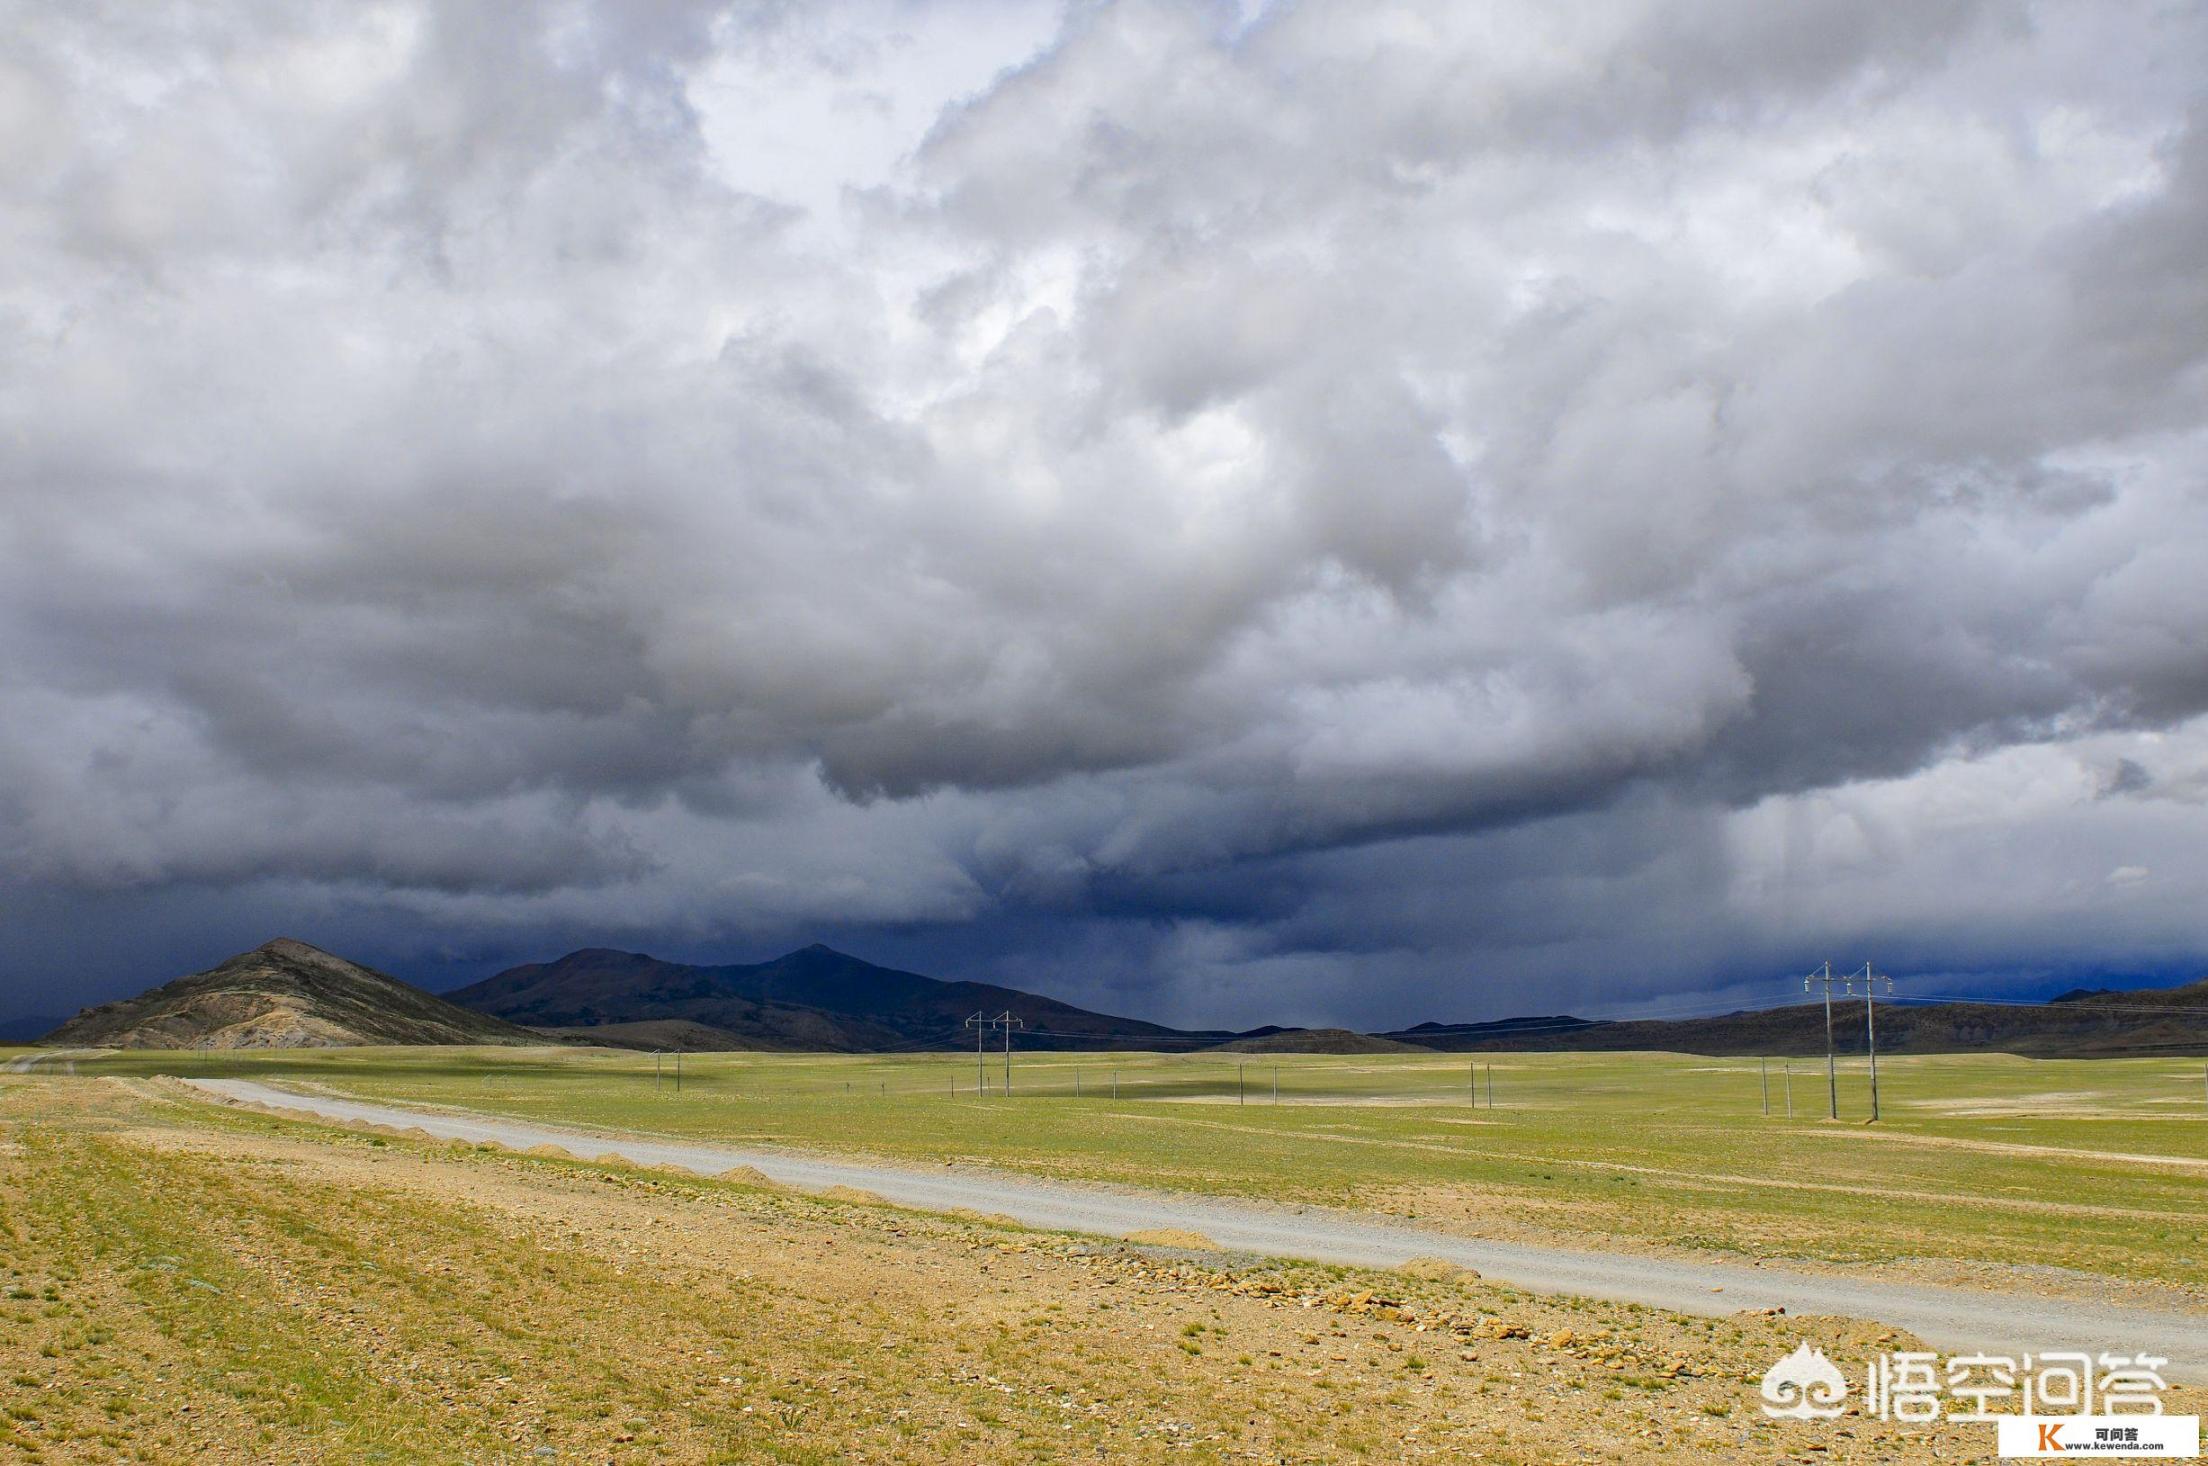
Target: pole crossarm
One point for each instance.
(1825, 979)
(983, 1025)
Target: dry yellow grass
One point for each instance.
(1438, 1269)
(749, 1176)
(191, 1283)
(1178, 1237)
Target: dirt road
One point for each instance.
(1953, 1320)
(63, 1060)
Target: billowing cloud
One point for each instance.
(1343, 512)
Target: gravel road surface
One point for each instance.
(1950, 1319)
(63, 1060)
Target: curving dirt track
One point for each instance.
(1954, 1320)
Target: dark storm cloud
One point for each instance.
(1401, 510)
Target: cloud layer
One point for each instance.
(1321, 511)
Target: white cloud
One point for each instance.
(1064, 482)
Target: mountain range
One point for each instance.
(2081, 1024)
(289, 994)
(815, 998)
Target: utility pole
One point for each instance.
(1790, 1091)
(1276, 1084)
(1871, 980)
(1491, 1086)
(979, 1023)
(1765, 1066)
(983, 1025)
(1824, 976)
(678, 1071)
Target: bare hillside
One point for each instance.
(283, 995)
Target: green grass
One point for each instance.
(1978, 1158)
(114, 1214)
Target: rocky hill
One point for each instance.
(283, 995)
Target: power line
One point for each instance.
(983, 1025)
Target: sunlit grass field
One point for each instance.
(184, 1281)
(2092, 1167)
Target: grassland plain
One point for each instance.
(2088, 1178)
(188, 1281)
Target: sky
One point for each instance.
(1299, 512)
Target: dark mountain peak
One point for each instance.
(819, 956)
(600, 956)
(815, 997)
(1448, 1033)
